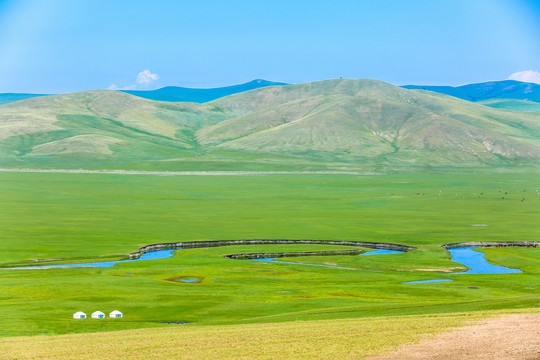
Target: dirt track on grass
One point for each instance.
(510, 337)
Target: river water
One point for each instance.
(152, 255)
(474, 260)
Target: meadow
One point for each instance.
(326, 339)
(98, 216)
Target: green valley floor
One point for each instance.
(90, 217)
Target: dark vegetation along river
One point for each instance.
(465, 255)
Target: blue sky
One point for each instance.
(54, 46)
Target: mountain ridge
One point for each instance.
(505, 89)
(6, 98)
(478, 92)
(325, 124)
(202, 95)
(167, 93)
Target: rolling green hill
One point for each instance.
(333, 124)
(512, 104)
(374, 120)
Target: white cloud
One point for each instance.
(145, 77)
(526, 76)
(143, 81)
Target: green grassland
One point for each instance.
(327, 339)
(512, 104)
(47, 215)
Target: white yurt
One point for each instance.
(116, 314)
(98, 315)
(79, 315)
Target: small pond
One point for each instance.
(427, 281)
(381, 252)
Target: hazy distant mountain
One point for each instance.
(175, 93)
(507, 89)
(11, 97)
(326, 124)
(170, 93)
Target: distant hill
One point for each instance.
(175, 93)
(11, 97)
(512, 104)
(373, 120)
(333, 124)
(507, 89)
(170, 93)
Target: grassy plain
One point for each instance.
(327, 339)
(89, 215)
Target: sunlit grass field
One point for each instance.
(46, 216)
(327, 339)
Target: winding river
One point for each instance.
(465, 255)
(474, 260)
(151, 255)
